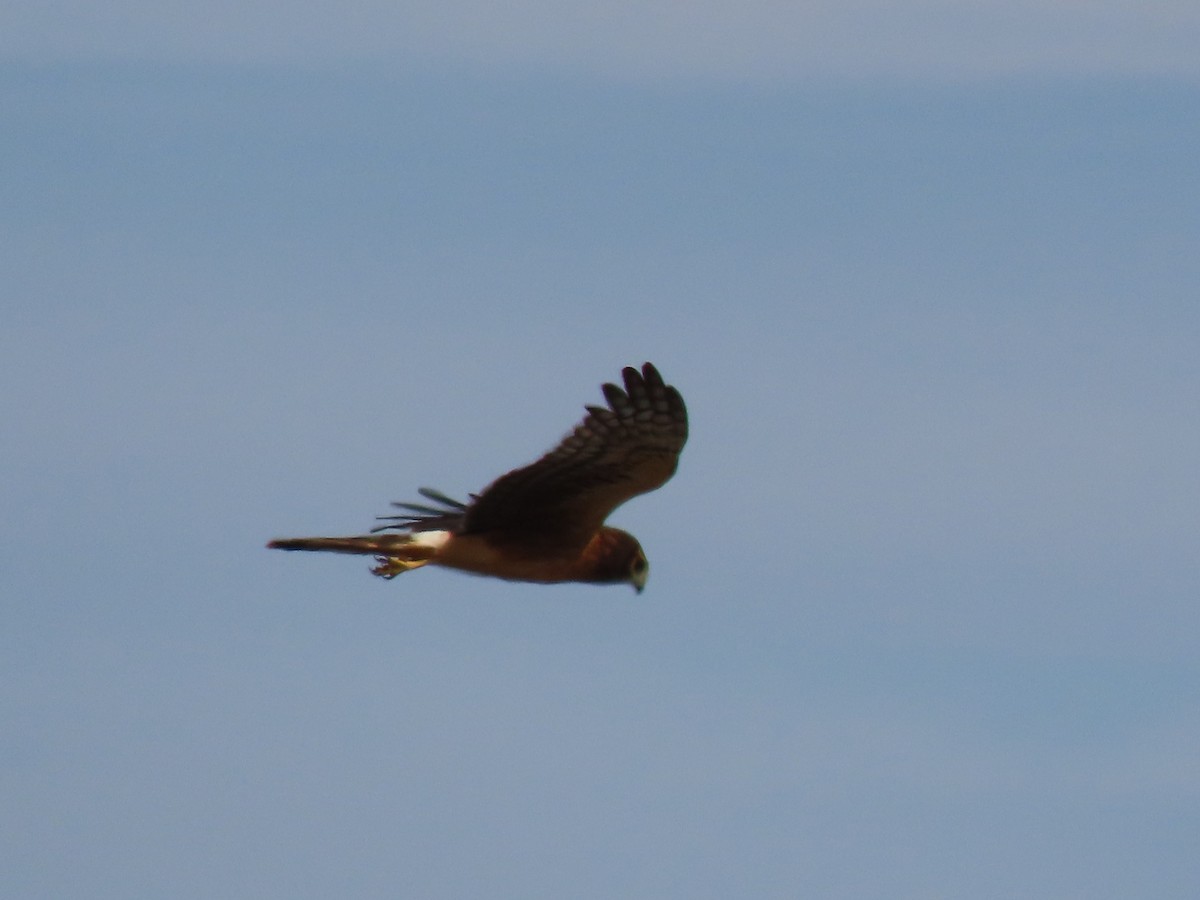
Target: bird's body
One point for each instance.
(544, 522)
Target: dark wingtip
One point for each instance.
(649, 376)
(614, 395)
(438, 497)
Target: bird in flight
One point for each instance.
(544, 522)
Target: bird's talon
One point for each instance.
(389, 567)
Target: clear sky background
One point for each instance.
(922, 619)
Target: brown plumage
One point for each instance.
(545, 522)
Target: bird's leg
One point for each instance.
(390, 566)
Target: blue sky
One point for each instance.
(922, 612)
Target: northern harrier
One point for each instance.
(544, 522)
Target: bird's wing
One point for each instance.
(556, 504)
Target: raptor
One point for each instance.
(544, 522)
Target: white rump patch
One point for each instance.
(434, 540)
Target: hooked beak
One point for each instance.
(638, 579)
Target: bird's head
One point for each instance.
(614, 557)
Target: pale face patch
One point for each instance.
(640, 573)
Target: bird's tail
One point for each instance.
(364, 545)
(396, 552)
